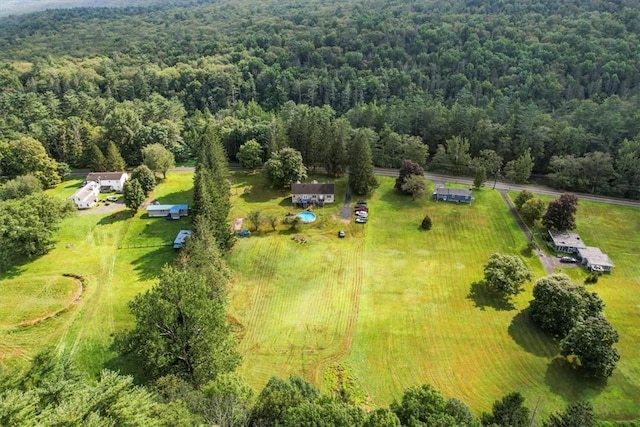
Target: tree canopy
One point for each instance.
(506, 274)
(561, 213)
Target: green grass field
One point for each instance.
(389, 304)
(392, 304)
(119, 256)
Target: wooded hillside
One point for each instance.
(558, 78)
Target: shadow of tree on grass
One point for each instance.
(483, 297)
(116, 217)
(568, 380)
(149, 265)
(527, 335)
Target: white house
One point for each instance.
(312, 193)
(87, 196)
(109, 181)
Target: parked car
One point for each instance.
(362, 202)
(361, 208)
(362, 214)
(341, 234)
(568, 260)
(112, 199)
(361, 220)
(244, 233)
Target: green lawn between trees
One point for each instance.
(388, 305)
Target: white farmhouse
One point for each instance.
(109, 181)
(87, 196)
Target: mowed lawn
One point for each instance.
(118, 255)
(393, 306)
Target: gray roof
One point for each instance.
(312, 188)
(85, 192)
(180, 238)
(105, 176)
(177, 207)
(453, 191)
(595, 256)
(564, 238)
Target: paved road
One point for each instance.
(507, 186)
(536, 189)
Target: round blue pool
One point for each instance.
(306, 217)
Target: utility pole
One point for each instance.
(495, 178)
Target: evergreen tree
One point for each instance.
(361, 178)
(335, 161)
(96, 159)
(113, 161)
(212, 189)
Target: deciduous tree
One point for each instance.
(532, 210)
(522, 198)
(414, 185)
(561, 213)
(558, 305)
(508, 412)
(133, 194)
(20, 187)
(506, 274)
(145, 177)
(250, 155)
(591, 341)
(407, 169)
(519, 170)
(285, 167)
(577, 414)
(158, 158)
(255, 217)
(480, 177)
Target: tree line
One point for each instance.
(53, 392)
(550, 88)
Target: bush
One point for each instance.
(426, 223)
(592, 277)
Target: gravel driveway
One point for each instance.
(103, 208)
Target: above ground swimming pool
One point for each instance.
(306, 217)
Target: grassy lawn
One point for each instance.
(392, 304)
(389, 304)
(97, 247)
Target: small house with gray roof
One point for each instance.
(594, 259)
(564, 241)
(446, 194)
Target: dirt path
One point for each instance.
(74, 300)
(345, 209)
(546, 261)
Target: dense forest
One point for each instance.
(555, 80)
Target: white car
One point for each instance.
(361, 220)
(362, 214)
(112, 199)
